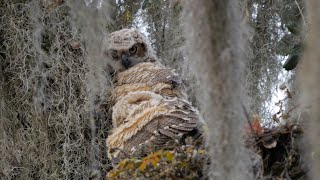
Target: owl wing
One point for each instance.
(150, 111)
(180, 121)
(170, 124)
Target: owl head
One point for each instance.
(126, 48)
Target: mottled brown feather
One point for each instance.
(150, 109)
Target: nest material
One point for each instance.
(279, 152)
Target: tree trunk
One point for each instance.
(215, 50)
(309, 84)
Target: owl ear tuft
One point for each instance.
(144, 46)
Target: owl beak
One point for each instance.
(125, 61)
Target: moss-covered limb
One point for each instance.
(185, 162)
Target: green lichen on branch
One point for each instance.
(183, 162)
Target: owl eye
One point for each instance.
(114, 54)
(133, 49)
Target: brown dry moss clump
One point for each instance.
(183, 162)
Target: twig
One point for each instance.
(300, 10)
(247, 115)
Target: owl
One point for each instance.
(150, 108)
